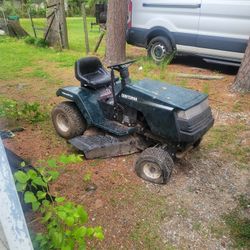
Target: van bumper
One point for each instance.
(137, 37)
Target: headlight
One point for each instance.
(194, 111)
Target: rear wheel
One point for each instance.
(68, 120)
(159, 49)
(154, 165)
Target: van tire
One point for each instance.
(159, 49)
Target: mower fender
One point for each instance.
(76, 95)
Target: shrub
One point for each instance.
(30, 40)
(40, 42)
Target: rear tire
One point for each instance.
(154, 165)
(159, 49)
(68, 120)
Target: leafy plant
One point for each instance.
(30, 40)
(30, 112)
(64, 220)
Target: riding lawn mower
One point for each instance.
(161, 120)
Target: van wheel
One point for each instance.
(68, 120)
(159, 49)
(154, 165)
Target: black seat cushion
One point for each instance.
(90, 72)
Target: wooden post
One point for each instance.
(32, 24)
(85, 28)
(63, 25)
(99, 41)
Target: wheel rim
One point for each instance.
(62, 122)
(152, 170)
(158, 52)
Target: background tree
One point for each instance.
(116, 31)
(242, 80)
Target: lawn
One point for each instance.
(200, 208)
(75, 32)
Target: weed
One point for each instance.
(196, 226)
(224, 139)
(239, 223)
(205, 88)
(30, 112)
(87, 177)
(64, 220)
(30, 40)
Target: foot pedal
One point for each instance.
(100, 146)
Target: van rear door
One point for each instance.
(224, 28)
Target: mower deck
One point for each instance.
(104, 146)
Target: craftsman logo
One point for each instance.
(129, 97)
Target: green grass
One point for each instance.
(227, 139)
(238, 223)
(75, 32)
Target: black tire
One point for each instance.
(68, 120)
(160, 48)
(154, 165)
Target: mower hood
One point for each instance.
(164, 93)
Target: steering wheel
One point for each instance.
(121, 65)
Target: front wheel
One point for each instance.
(159, 49)
(68, 120)
(154, 165)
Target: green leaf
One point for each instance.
(69, 221)
(82, 213)
(66, 247)
(54, 174)
(82, 245)
(80, 232)
(60, 199)
(99, 235)
(52, 163)
(32, 174)
(22, 164)
(35, 205)
(57, 238)
(39, 181)
(62, 215)
(90, 231)
(29, 197)
(47, 216)
(20, 186)
(41, 195)
(46, 203)
(21, 177)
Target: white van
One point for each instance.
(217, 30)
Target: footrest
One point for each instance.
(116, 128)
(100, 146)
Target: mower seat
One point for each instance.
(90, 72)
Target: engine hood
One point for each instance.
(164, 93)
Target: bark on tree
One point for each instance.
(56, 31)
(116, 31)
(242, 80)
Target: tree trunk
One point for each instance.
(56, 33)
(242, 80)
(116, 31)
